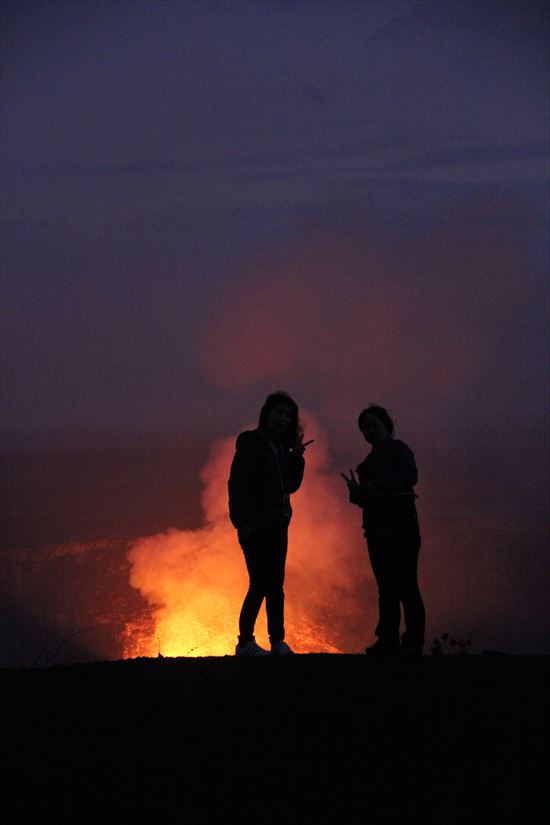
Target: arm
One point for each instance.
(398, 472)
(296, 466)
(356, 492)
(242, 482)
(296, 463)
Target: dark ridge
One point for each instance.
(309, 739)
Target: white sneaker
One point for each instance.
(281, 649)
(251, 649)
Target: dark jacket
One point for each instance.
(386, 480)
(263, 475)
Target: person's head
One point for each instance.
(279, 417)
(375, 423)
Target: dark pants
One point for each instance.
(265, 556)
(394, 564)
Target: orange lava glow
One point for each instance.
(195, 580)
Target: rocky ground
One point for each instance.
(309, 739)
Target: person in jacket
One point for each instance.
(268, 466)
(383, 488)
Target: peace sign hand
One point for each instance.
(352, 481)
(301, 445)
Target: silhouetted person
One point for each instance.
(384, 489)
(267, 468)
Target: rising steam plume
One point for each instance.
(445, 329)
(196, 579)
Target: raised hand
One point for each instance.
(301, 445)
(352, 481)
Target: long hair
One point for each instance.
(292, 435)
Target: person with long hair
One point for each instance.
(383, 488)
(268, 466)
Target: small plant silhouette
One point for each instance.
(48, 660)
(445, 645)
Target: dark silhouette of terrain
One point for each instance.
(307, 739)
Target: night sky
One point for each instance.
(203, 202)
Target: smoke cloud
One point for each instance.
(196, 579)
(419, 321)
(445, 329)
